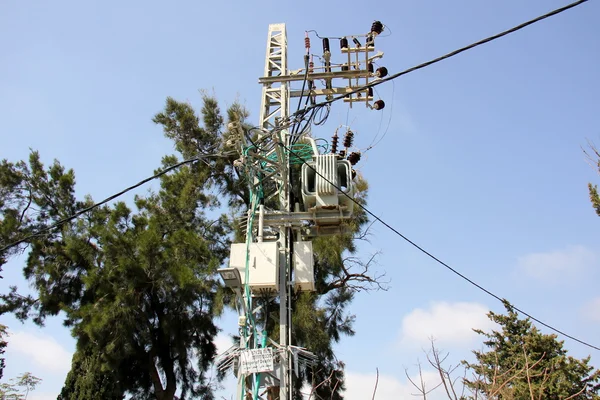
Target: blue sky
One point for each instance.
(481, 164)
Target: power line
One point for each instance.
(436, 60)
(421, 249)
(96, 205)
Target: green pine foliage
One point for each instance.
(520, 362)
(594, 197)
(90, 379)
(593, 158)
(3, 343)
(20, 387)
(136, 281)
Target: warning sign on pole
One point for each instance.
(256, 360)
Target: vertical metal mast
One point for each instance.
(277, 258)
(275, 94)
(274, 110)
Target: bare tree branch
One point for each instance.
(576, 394)
(376, 382)
(355, 275)
(592, 156)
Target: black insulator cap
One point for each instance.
(370, 41)
(379, 105)
(342, 153)
(381, 72)
(370, 92)
(353, 173)
(354, 157)
(325, 45)
(345, 68)
(377, 27)
(356, 42)
(343, 43)
(370, 67)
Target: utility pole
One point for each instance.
(288, 208)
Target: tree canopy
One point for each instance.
(593, 156)
(136, 280)
(517, 362)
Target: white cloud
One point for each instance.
(591, 310)
(555, 266)
(43, 351)
(361, 386)
(42, 396)
(447, 323)
(223, 342)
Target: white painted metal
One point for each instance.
(320, 179)
(263, 261)
(275, 99)
(272, 264)
(303, 261)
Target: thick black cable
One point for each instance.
(96, 205)
(306, 65)
(504, 301)
(451, 54)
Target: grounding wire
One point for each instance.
(306, 65)
(439, 261)
(448, 55)
(96, 205)
(387, 128)
(323, 37)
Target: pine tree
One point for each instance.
(137, 285)
(593, 157)
(136, 282)
(521, 363)
(320, 319)
(3, 334)
(90, 379)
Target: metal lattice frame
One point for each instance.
(275, 96)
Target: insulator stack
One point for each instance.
(344, 43)
(376, 28)
(325, 45)
(348, 139)
(334, 143)
(307, 42)
(354, 157)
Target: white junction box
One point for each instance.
(304, 278)
(262, 263)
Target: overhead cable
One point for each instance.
(436, 60)
(96, 205)
(439, 261)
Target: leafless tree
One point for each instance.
(454, 379)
